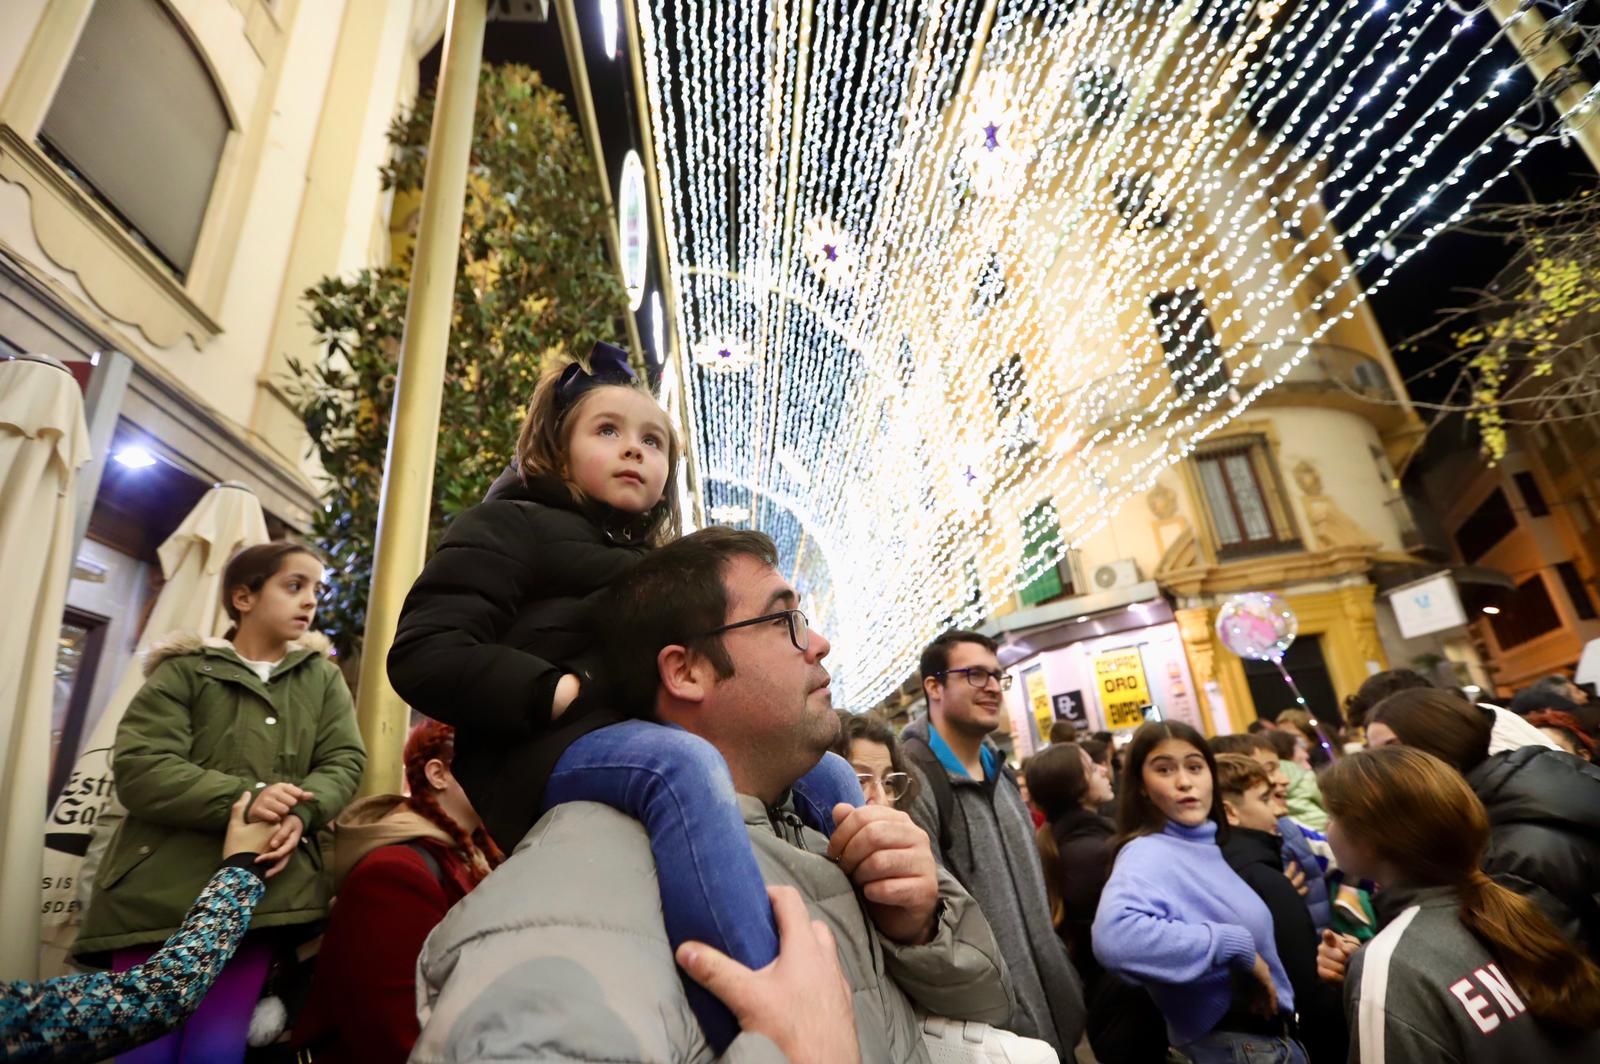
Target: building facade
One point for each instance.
(173, 175)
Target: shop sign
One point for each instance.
(1038, 692)
(1069, 707)
(1428, 606)
(1124, 690)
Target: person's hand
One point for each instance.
(888, 857)
(245, 836)
(1268, 1005)
(1297, 878)
(275, 802)
(566, 693)
(1333, 956)
(280, 848)
(768, 1002)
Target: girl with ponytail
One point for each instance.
(399, 863)
(1463, 969)
(262, 710)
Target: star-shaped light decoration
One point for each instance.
(723, 354)
(830, 252)
(996, 141)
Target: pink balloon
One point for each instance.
(1257, 625)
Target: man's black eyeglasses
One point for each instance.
(980, 677)
(799, 627)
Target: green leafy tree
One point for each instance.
(534, 282)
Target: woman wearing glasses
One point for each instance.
(874, 752)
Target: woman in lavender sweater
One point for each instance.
(1175, 918)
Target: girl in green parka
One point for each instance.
(262, 710)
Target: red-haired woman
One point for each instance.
(399, 864)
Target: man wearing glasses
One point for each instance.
(972, 810)
(562, 953)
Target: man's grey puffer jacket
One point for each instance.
(561, 955)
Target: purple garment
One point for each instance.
(1175, 918)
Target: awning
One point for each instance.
(1057, 624)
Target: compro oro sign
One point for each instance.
(1121, 685)
(633, 228)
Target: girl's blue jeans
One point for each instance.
(677, 785)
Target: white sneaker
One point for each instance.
(959, 1042)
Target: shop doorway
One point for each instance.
(1310, 671)
(83, 636)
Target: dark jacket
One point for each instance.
(1427, 989)
(1544, 841)
(1083, 861)
(500, 613)
(994, 855)
(201, 731)
(1124, 1026)
(1258, 858)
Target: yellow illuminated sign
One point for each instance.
(1124, 691)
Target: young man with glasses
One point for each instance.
(972, 809)
(564, 948)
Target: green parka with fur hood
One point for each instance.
(202, 730)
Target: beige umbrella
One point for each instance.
(43, 441)
(227, 519)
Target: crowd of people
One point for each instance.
(634, 828)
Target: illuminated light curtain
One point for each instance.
(871, 206)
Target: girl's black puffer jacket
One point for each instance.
(503, 609)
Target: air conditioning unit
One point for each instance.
(1116, 575)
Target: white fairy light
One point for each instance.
(1076, 250)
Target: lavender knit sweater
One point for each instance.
(1177, 920)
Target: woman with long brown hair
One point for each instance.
(1543, 804)
(1463, 969)
(1175, 919)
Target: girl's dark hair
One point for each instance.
(1419, 815)
(1246, 743)
(1450, 728)
(431, 741)
(1376, 688)
(1136, 814)
(251, 568)
(1056, 780)
(1099, 751)
(853, 726)
(546, 436)
(1282, 743)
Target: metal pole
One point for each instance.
(102, 405)
(1546, 57)
(419, 390)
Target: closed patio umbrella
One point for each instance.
(43, 441)
(227, 519)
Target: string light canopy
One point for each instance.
(939, 263)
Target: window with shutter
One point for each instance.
(139, 122)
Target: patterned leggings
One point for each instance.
(216, 1033)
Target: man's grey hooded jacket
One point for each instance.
(560, 955)
(993, 853)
